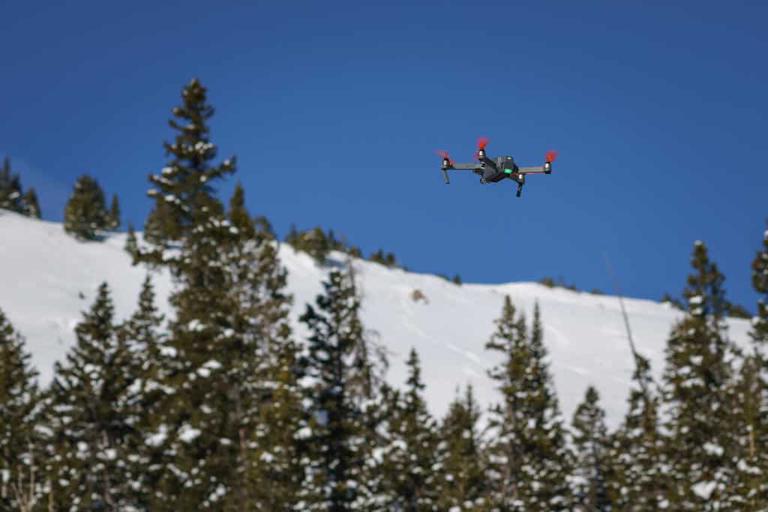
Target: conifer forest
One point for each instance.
(224, 405)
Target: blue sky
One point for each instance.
(335, 110)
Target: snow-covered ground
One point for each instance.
(48, 278)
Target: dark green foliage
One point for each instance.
(313, 242)
(387, 259)
(340, 366)
(131, 243)
(550, 282)
(238, 214)
(85, 215)
(592, 464)
(697, 393)
(410, 453)
(20, 459)
(90, 417)
(751, 483)
(12, 195)
(184, 193)
(146, 366)
(461, 456)
(319, 244)
(113, 217)
(457, 280)
(31, 204)
(637, 480)
(528, 462)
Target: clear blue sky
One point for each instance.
(335, 110)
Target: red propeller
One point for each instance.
(481, 143)
(550, 156)
(445, 156)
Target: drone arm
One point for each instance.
(539, 169)
(465, 167)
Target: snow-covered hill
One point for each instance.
(47, 278)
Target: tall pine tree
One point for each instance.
(184, 193)
(637, 480)
(461, 456)
(341, 370)
(592, 466)
(528, 461)
(410, 467)
(750, 490)
(20, 477)
(697, 381)
(90, 419)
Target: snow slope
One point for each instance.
(47, 278)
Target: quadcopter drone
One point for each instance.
(497, 169)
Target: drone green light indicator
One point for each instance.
(507, 171)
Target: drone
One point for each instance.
(497, 169)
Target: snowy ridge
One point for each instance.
(47, 278)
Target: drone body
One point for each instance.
(497, 169)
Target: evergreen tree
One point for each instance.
(411, 454)
(131, 243)
(31, 206)
(592, 468)
(238, 214)
(86, 215)
(12, 195)
(90, 418)
(113, 217)
(143, 399)
(528, 461)
(184, 193)
(343, 375)
(20, 478)
(696, 391)
(10, 188)
(750, 490)
(637, 480)
(461, 457)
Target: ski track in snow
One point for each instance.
(48, 278)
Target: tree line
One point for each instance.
(223, 407)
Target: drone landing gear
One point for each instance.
(519, 189)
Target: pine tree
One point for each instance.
(146, 367)
(343, 375)
(696, 392)
(113, 217)
(528, 461)
(637, 480)
(592, 466)
(238, 214)
(90, 418)
(86, 215)
(131, 243)
(12, 195)
(461, 457)
(184, 193)
(275, 470)
(10, 188)
(31, 205)
(20, 476)
(750, 490)
(411, 453)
